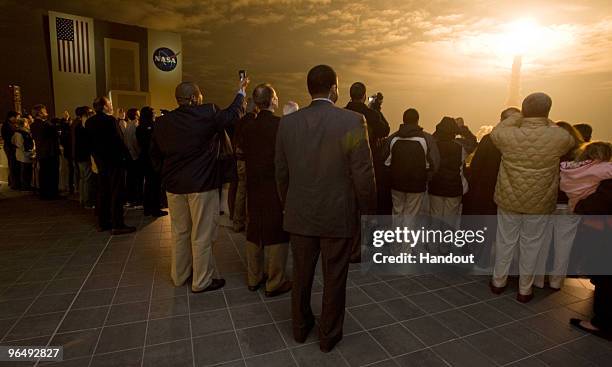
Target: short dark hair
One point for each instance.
(262, 95)
(357, 91)
(11, 114)
(147, 114)
(37, 108)
(99, 103)
(411, 116)
(585, 130)
(536, 105)
(81, 111)
(320, 79)
(131, 113)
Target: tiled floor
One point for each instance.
(109, 301)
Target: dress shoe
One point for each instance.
(496, 290)
(262, 282)
(284, 288)
(328, 346)
(524, 298)
(104, 228)
(301, 336)
(213, 286)
(122, 230)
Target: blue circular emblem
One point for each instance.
(165, 59)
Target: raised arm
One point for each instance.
(234, 112)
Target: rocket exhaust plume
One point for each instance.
(514, 90)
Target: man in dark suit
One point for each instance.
(110, 156)
(325, 177)
(378, 129)
(46, 140)
(265, 234)
(185, 150)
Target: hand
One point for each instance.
(459, 121)
(66, 115)
(244, 83)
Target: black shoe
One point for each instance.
(284, 288)
(122, 230)
(254, 288)
(598, 333)
(160, 213)
(104, 228)
(328, 346)
(213, 286)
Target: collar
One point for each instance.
(323, 99)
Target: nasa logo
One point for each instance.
(165, 59)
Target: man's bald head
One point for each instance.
(188, 94)
(536, 105)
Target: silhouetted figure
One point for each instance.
(152, 181)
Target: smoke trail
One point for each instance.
(514, 90)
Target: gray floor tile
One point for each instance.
(126, 358)
(561, 357)
(525, 337)
(128, 312)
(402, 309)
(259, 340)
(280, 310)
(406, 287)
(396, 339)
(380, 291)
(497, 348)
(459, 322)
(429, 302)
(310, 356)
(371, 316)
(356, 297)
(77, 344)
(217, 348)
(487, 315)
(35, 326)
(595, 350)
(241, 296)
(101, 297)
(14, 308)
(206, 302)
(510, 307)
(459, 353)
(430, 281)
(429, 330)
(210, 322)
(167, 330)
(281, 358)
(424, 358)
(114, 338)
(250, 315)
(176, 354)
(85, 318)
(134, 293)
(552, 329)
(168, 307)
(286, 330)
(361, 349)
(455, 297)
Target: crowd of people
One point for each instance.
(304, 179)
(100, 155)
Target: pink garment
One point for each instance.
(580, 179)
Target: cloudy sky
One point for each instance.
(442, 57)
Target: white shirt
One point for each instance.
(323, 99)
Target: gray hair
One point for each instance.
(290, 107)
(536, 105)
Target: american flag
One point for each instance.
(72, 45)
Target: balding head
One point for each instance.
(536, 105)
(188, 94)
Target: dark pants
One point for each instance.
(25, 175)
(602, 303)
(152, 191)
(134, 180)
(109, 206)
(335, 254)
(13, 165)
(49, 177)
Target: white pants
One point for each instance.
(194, 219)
(447, 209)
(528, 232)
(406, 205)
(564, 228)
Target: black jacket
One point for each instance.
(185, 145)
(46, 139)
(377, 127)
(410, 165)
(105, 141)
(482, 178)
(448, 180)
(265, 208)
(599, 202)
(80, 142)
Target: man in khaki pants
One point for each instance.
(184, 150)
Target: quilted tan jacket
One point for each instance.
(528, 177)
